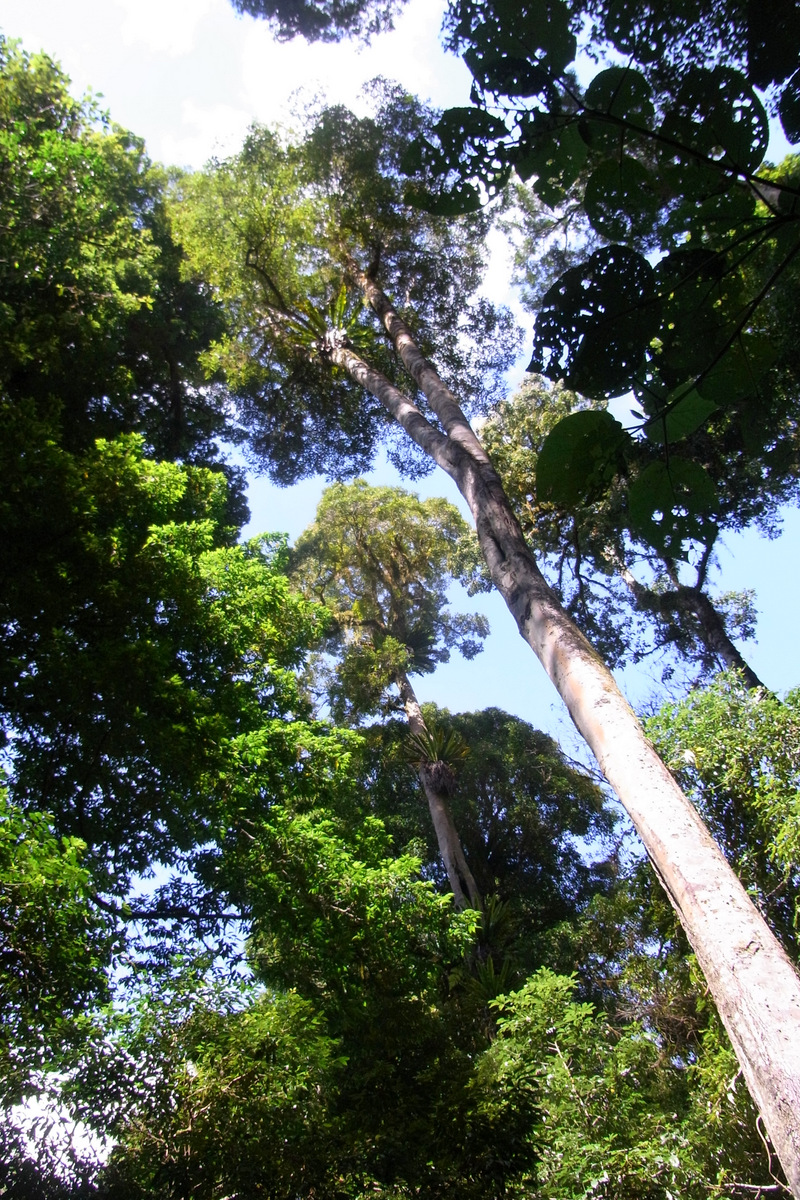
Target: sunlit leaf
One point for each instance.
(684, 413)
(580, 458)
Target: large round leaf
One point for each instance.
(580, 458)
(702, 307)
(737, 372)
(621, 199)
(671, 504)
(617, 103)
(456, 201)
(538, 33)
(717, 114)
(623, 94)
(467, 148)
(596, 322)
(505, 74)
(684, 412)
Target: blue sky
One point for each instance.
(189, 76)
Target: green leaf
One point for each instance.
(552, 149)
(505, 75)
(789, 109)
(684, 413)
(702, 305)
(339, 307)
(471, 146)
(672, 503)
(724, 210)
(622, 93)
(596, 322)
(457, 126)
(621, 200)
(538, 34)
(415, 155)
(717, 114)
(623, 26)
(461, 199)
(737, 373)
(580, 458)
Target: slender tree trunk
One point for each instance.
(714, 634)
(465, 890)
(693, 600)
(752, 980)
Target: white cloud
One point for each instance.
(164, 26)
(206, 131)
(272, 72)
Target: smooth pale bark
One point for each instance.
(753, 982)
(465, 891)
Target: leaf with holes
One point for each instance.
(539, 34)
(624, 94)
(789, 109)
(621, 199)
(672, 504)
(468, 149)
(506, 75)
(718, 115)
(596, 322)
(462, 198)
(552, 149)
(617, 105)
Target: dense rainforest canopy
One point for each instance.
(270, 927)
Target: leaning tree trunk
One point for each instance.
(693, 600)
(465, 891)
(714, 634)
(754, 984)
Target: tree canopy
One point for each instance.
(232, 940)
(290, 333)
(285, 266)
(323, 20)
(382, 560)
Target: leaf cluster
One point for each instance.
(98, 330)
(735, 751)
(662, 158)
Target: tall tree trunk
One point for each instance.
(693, 600)
(714, 634)
(465, 890)
(752, 980)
